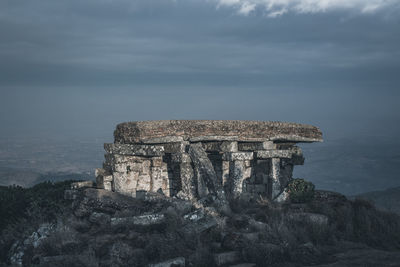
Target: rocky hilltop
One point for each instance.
(96, 227)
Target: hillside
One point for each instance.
(387, 199)
(93, 227)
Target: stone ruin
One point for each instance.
(196, 159)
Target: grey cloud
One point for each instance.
(275, 8)
(324, 68)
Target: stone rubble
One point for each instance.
(141, 220)
(82, 184)
(18, 249)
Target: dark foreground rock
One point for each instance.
(103, 228)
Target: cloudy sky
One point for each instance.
(81, 66)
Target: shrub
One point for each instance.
(13, 204)
(300, 191)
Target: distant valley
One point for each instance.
(27, 162)
(348, 166)
(388, 200)
(352, 166)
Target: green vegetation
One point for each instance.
(17, 203)
(300, 191)
(13, 204)
(23, 209)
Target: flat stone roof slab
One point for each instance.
(206, 130)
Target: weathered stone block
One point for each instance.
(144, 182)
(126, 159)
(134, 149)
(180, 157)
(176, 262)
(107, 178)
(142, 220)
(145, 167)
(267, 154)
(231, 156)
(220, 146)
(108, 185)
(201, 130)
(156, 180)
(253, 146)
(195, 215)
(247, 172)
(162, 140)
(236, 177)
(104, 182)
(99, 172)
(286, 172)
(229, 146)
(225, 172)
(187, 180)
(283, 197)
(107, 167)
(125, 182)
(128, 167)
(82, 184)
(100, 182)
(156, 162)
(275, 177)
(208, 138)
(203, 167)
(211, 146)
(178, 147)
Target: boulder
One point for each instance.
(82, 184)
(176, 262)
(141, 220)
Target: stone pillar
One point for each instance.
(225, 173)
(186, 175)
(236, 171)
(275, 157)
(275, 177)
(104, 180)
(156, 181)
(238, 165)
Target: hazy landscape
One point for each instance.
(70, 71)
(349, 166)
